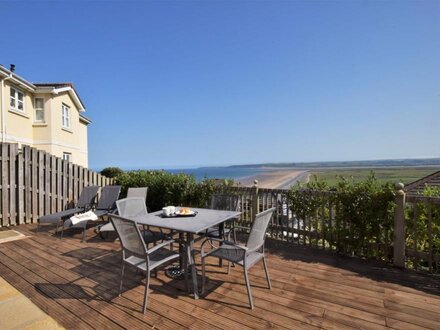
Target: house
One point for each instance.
(47, 116)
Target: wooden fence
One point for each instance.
(35, 183)
(413, 242)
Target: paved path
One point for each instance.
(18, 312)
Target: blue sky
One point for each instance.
(190, 83)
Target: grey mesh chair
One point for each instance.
(132, 207)
(106, 205)
(244, 255)
(223, 202)
(85, 202)
(137, 192)
(107, 228)
(136, 254)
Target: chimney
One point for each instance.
(12, 68)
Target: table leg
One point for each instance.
(178, 272)
(192, 264)
(181, 250)
(221, 235)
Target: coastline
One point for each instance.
(274, 179)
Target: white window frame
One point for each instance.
(39, 109)
(16, 100)
(65, 116)
(67, 156)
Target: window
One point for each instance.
(65, 114)
(67, 156)
(39, 110)
(17, 100)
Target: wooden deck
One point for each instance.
(76, 284)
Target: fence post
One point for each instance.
(399, 227)
(255, 200)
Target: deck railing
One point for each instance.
(422, 233)
(413, 241)
(35, 183)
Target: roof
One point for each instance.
(53, 84)
(85, 119)
(56, 87)
(417, 187)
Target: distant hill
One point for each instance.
(356, 163)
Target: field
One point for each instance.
(383, 174)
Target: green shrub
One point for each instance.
(418, 234)
(111, 172)
(362, 213)
(165, 188)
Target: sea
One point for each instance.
(220, 172)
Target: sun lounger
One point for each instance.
(106, 205)
(85, 202)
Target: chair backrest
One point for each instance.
(131, 207)
(129, 235)
(109, 196)
(224, 202)
(259, 227)
(137, 192)
(87, 196)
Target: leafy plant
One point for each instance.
(165, 188)
(423, 227)
(111, 172)
(361, 218)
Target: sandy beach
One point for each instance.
(274, 178)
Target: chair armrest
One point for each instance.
(254, 249)
(202, 250)
(159, 246)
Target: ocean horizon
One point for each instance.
(220, 172)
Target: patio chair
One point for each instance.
(136, 254)
(132, 207)
(223, 202)
(106, 205)
(85, 202)
(244, 255)
(107, 228)
(137, 192)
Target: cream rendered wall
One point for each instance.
(83, 134)
(18, 125)
(67, 140)
(48, 136)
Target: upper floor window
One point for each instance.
(65, 116)
(17, 100)
(39, 110)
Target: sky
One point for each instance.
(178, 84)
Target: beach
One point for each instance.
(275, 179)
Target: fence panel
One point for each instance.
(35, 183)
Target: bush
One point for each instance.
(165, 188)
(417, 232)
(111, 172)
(363, 213)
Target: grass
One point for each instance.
(401, 174)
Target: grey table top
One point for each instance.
(204, 219)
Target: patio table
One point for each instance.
(190, 226)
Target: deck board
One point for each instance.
(76, 284)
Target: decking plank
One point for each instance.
(76, 283)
